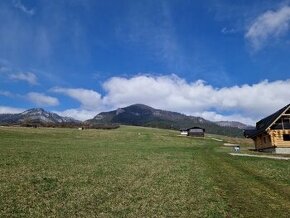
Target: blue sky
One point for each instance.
(220, 59)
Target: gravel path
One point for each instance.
(219, 140)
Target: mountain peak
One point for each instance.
(143, 115)
(34, 110)
(141, 106)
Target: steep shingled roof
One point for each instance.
(265, 123)
(195, 127)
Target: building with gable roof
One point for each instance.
(273, 132)
(193, 131)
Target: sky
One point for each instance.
(218, 59)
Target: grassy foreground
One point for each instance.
(134, 172)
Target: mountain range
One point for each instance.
(36, 116)
(143, 115)
(137, 114)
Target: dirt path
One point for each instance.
(262, 156)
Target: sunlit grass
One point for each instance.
(134, 172)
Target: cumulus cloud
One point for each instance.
(271, 24)
(27, 77)
(244, 103)
(42, 99)
(214, 116)
(89, 99)
(18, 4)
(10, 110)
(78, 113)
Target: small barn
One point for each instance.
(273, 132)
(193, 131)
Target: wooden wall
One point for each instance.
(274, 138)
(277, 138)
(263, 141)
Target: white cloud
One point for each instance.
(91, 103)
(27, 77)
(213, 116)
(89, 99)
(17, 4)
(41, 99)
(271, 24)
(243, 103)
(10, 110)
(78, 114)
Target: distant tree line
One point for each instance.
(68, 125)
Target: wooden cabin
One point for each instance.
(193, 131)
(273, 132)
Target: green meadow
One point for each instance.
(134, 172)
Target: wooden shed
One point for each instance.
(273, 132)
(193, 131)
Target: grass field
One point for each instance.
(134, 172)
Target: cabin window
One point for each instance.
(286, 123)
(265, 140)
(286, 137)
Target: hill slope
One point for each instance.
(143, 115)
(122, 173)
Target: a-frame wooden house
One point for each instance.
(273, 132)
